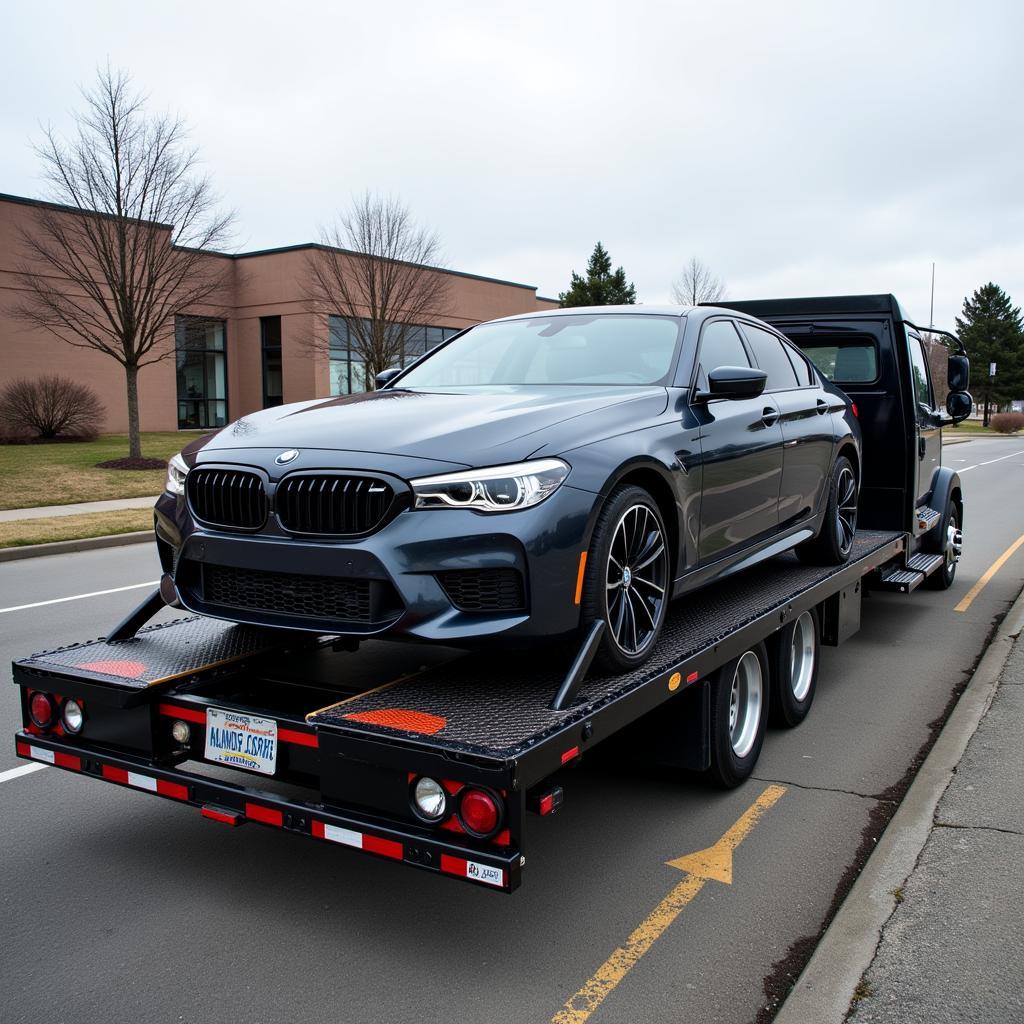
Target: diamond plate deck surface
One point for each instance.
(499, 706)
(159, 653)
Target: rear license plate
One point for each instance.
(241, 741)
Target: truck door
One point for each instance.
(928, 419)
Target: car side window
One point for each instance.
(919, 367)
(720, 345)
(771, 357)
(804, 373)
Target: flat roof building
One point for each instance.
(258, 345)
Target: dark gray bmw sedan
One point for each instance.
(525, 478)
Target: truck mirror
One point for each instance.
(959, 373)
(959, 403)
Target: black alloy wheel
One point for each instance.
(834, 542)
(628, 579)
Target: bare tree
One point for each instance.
(381, 273)
(111, 274)
(696, 284)
(50, 406)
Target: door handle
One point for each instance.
(769, 416)
(822, 406)
(920, 447)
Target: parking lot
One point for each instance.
(124, 908)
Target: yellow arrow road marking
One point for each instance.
(712, 864)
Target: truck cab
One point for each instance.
(906, 384)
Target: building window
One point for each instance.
(348, 374)
(202, 378)
(270, 343)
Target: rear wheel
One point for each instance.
(739, 716)
(834, 541)
(942, 578)
(796, 670)
(627, 579)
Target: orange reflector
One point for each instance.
(579, 577)
(674, 680)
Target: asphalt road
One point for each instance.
(119, 907)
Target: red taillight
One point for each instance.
(41, 710)
(479, 812)
(856, 411)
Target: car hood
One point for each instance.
(465, 426)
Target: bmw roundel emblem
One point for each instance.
(289, 456)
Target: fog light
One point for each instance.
(72, 716)
(429, 799)
(480, 812)
(181, 732)
(40, 710)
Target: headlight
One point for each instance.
(176, 472)
(498, 489)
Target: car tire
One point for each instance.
(834, 542)
(797, 650)
(631, 599)
(739, 717)
(942, 579)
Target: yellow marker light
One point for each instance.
(674, 680)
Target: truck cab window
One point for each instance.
(843, 360)
(919, 368)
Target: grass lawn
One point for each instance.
(61, 474)
(96, 524)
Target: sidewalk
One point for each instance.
(952, 949)
(933, 929)
(82, 508)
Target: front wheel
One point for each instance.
(942, 579)
(739, 717)
(834, 541)
(627, 579)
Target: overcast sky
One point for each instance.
(797, 148)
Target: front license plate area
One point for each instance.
(241, 741)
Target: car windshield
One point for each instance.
(584, 349)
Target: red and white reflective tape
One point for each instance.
(473, 870)
(358, 840)
(55, 757)
(172, 789)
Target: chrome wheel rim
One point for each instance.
(954, 544)
(636, 579)
(745, 701)
(802, 654)
(846, 509)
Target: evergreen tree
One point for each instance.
(992, 332)
(601, 287)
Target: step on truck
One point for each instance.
(439, 766)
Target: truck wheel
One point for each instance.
(627, 579)
(739, 716)
(942, 579)
(796, 670)
(834, 542)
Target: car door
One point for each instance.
(807, 437)
(929, 436)
(741, 452)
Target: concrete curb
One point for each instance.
(63, 547)
(825, 988)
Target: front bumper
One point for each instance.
(543, 544)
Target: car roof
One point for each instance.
(665, 310)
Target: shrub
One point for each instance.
(49, 407)
(1007, 422)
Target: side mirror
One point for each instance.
(959, 404)
(386, 376)
(959, 373)
(736, 382)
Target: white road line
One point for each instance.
(1002, 458)
(22, 769)
(79, 597)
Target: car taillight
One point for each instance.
(479, 812)
(856, 411)
(41, 710)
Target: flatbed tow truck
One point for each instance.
(332, 751)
